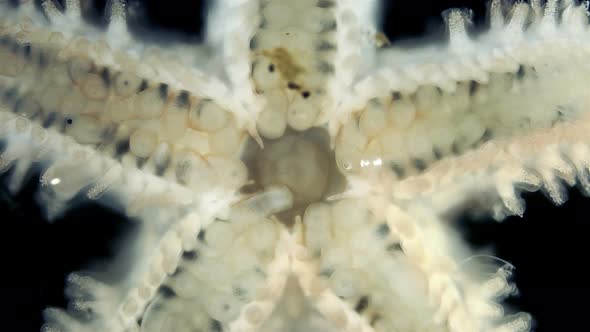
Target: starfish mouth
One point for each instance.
(300, 162)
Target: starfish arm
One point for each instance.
(305, 57)
(464, 297)
(355, 40)
(444, 105)
(385, 269)
(114, 307)
(313, 276)
(57, 44)
(154, 117)
(31, 146)
(231, 26)
(259, 310)
(236, 287)
(501, 136)
(546, 159)
(208, 270)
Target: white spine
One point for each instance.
(232, 23)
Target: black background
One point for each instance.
(547, 246)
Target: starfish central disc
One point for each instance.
(301, 162)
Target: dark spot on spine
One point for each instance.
(397, 169)
(325, 3)
(437, 153)
(121, 148)
(163, 90)
(143, 86)
(166, 292)
(216, 326)
(520, 72)
(396, 95)
(324, 46)
(49, 120)
(27, 51)
(191, 255)
(394, 247)
(201, 235)
(305, 94)
(183, 99)
(140, 162)
(271, 68)
(473, 87)
(362, 304)
(10, 95)
(420, 164)
(105, 75)
(254, 40)
(383, 229)
(161, 167)
(488, 134)
(328, 25)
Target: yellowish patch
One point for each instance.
(381, 40)
(284, 63)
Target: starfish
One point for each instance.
(295, 171)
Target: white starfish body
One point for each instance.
(343, 233)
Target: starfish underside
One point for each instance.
(295, 172)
